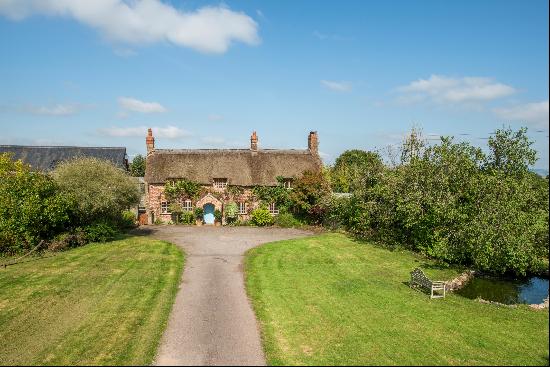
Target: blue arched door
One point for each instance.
(209, 214)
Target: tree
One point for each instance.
(31, 207)
(413, 145)
(511, 152)
(137, 167)
(355, 169)
(101, 190)
(308, 193)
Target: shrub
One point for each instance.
(218, 215)
(287, 220)
(231, 212)
(68, 240)
(199, 213)
(101, 190)
(453, 203)
(307, 194)
(100, 232)
(128, 219)
(31, 207)
(187, 217)
(261, 217)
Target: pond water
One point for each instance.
(530, 290)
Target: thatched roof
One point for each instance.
(241, 167)
(47, 158)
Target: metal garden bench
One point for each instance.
(418, 278)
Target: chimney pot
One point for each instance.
(254, 142)
(313, 142)
(150, 141)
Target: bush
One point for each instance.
(307, 194)
(286, 220)
(100, 232)
(261, 217)
(68, 240)
(453, 203)
(187, 217)
(101, 190)
(128, 219)
(218, 215)
(31, 207)
(199, 213)
(231, 212)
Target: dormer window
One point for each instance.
(287, 183)
(220, 183)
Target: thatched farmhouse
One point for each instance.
(224, 175)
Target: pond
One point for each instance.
(531, 290)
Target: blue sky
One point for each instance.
(206, 74)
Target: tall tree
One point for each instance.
(137, 167)
(511, 152)
(355, 169)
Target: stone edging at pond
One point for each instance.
(460, 281)
(540, 306)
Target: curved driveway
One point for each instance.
(212, 322)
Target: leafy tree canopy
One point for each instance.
(101, 190)
(137, 167)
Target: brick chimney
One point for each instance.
(254, 142)
(313, 142)
(150, 141)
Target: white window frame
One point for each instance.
(273, 209)
(242, 208)
(287, 183)
(164, 205)
(187, 205)
(220, 183)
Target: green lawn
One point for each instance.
(330, 300)
(98, 304)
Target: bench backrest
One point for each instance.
(418, 276)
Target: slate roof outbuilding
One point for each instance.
(46, 158)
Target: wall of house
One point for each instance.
(155, 195)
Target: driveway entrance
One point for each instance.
(212, 322)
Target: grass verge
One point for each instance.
(329, 300)
(101, 304)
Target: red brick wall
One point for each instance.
(155, 195)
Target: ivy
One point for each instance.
(182, 189)
(273, 194)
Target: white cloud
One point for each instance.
(341, 86)
(168, 132)
(210, 29)
(132, 104)
(534, 113)
(443, 89)
(55, 110)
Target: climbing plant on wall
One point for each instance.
(182, 189)
(273, 194)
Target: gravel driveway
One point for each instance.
(212, 322)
